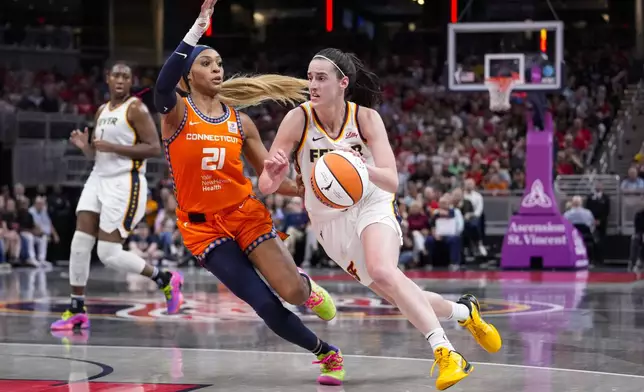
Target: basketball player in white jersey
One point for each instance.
(114, 197)
(365, 239)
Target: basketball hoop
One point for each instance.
(500, 88)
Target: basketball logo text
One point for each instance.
(351, 269)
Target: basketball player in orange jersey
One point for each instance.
(229, 231)
(365, 239)
(114, 196)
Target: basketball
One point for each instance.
(339, 179)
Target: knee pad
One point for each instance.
(79, 258)
(108, 252)
(113, 256)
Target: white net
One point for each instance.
(500, 90)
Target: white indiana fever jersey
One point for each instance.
(112, 126)
(316, 142)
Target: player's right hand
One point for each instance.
(79, 138)
(203, 21)
(353, 152)
(277, 166)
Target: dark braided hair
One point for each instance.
(364, 85)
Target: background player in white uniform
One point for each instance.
(114, 197)
(365, 239)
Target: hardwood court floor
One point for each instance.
(563, 331)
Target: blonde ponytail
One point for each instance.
(244, 91)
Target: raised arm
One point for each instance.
(384, 173)
(256, 154)
(166, 99)
(277, 165)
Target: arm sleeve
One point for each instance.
(165, 97)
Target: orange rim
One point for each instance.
(503, 82)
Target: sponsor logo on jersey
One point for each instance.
(232, 127)
(351, 134)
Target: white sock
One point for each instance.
(437, 338)
(460, 312)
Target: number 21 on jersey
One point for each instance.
(214, 158)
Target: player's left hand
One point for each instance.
(277, 165)
(103, 146)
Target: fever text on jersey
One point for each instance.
(316, 153)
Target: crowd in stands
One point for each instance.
(449, 147)
(43, 36)
(28, 225)
(634, 181)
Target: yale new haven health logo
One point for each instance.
(219, 307)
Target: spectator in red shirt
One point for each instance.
(416, 218)
(476, 172)
(582, 135)
(418, 224)
(83, 106)
(564, 166)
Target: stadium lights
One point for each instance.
(209, 30)
(329, 16)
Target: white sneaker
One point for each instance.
(32, 263)
(46, 264)
(482, 249)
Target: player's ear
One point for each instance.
(344, 82)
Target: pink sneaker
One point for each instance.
(173, 294)
(70, 338)
(69, 321)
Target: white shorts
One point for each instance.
(340, 237)
(120, 201)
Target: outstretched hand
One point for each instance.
(203, 20)
(277, 165)
(80, 138)
(207, 8)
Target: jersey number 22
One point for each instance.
(214, 158)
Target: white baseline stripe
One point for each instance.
(374, 357)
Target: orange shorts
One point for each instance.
(248, 224)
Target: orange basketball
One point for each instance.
(339, 179)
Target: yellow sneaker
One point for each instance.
(452, 368)
(485, 334)
(320, 301)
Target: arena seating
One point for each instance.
(440, 139)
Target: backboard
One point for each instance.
(478, 51)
